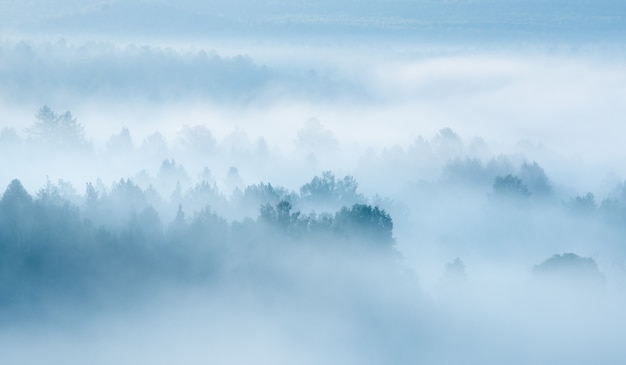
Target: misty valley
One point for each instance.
(490, 243)
(295, 182)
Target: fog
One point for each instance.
(294, 182)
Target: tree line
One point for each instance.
(51, 246)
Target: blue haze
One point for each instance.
(307, 182)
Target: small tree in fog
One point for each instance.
(154, 146)
(467, 171)
(536, 179)
(198, 139)
(585, 204)
(9, 137)
(611, 210)
(121, 143)
(172, 176)
(233, 179)
(57, 129)
(455, 270)
(510, 186)
(571, 268)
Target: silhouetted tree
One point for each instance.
(329, 193)
(17, 216)
(570, 267)
(320, 188)
(510, 186)
(366, 223)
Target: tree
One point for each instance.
(455, 269)
(279, 216)
(611, 210)
(16, 214)
(145, 226)
(202, 194)
(465, 171)
(258, 194)
(154, 146)
(172, 175)
(320, 188)
(208, 230)
(315, 137)
(448, 143)
(57, 129)
(510, 186)
(366, 223)
(535, 177)
(583, 204)
(233, 179)
(330, 192)
(198, 140)
(570, 267)
(9, 137)
(179, 220)
(58, 194)
(124, 200)
(15, 196)
(91, 195)
(91, 202)
(121, 143)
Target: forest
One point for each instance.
(312, 182)
(59, 244)
(148, 241)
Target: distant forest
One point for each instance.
(58, 243)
